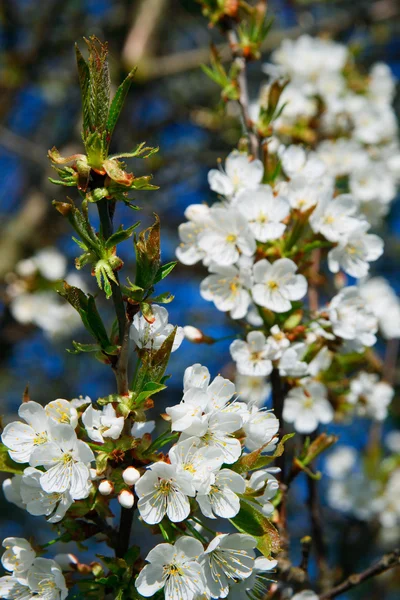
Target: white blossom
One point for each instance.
(371, 396)
(100, 424)
(307, 58)
(340, 462)
(66, 460)
(227, 237)
(222, 499)
(188, 251)
(62, 411)
(277, 285)
(12, 490)
(45, 579)
(351, 318)
(354, 254)
(257, 583)
(240, 172)
(19, 555)
(253, 356)
(200, 462)
(291, 363)
(164, 490)
(305, 595)
(306, 406)
(228, 287)
(277, 341)
(227, 559)
(264, 212)
(253, 390)
(260, 428)
(37, 502)
(295, 162)
(140, 428)
(337, 218)
(153, 335)
(21, 439)
(385, 305)
(51, 263)
(175, 568)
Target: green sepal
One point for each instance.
(164, 298)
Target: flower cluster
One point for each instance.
(30, 292)
(365, 490)
(357, 135)
(30, 576)
(59, 463)
(276, 220)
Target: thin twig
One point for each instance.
(389, 561)
(317, 528)
(244, 100)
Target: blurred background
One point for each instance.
(173, 105)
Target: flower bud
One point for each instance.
(106, 487)
(125, 498)
(131, 476)
(67, 562)
(192, 333)
(196, 335)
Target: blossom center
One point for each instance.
(273, 285)
(67, 458)
(164, 486)
(40, 438)
(173, 570)
(231, 238)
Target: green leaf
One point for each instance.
(154, 363)
(85, 305)
(84, 83)
(118, 101)
(149, 390)
(121, 235)
(251, 521)
(263, 461)
(99, 85)
(255, 460)
(165, 270)
(7, 465)
(147, 249)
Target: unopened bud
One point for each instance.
(67, 562)
(126, 499)
(196, 336)
(192, 334)
(131, 476)
(106, 488)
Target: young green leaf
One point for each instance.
(118, 101)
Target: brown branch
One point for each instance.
(244, 100)
(389, 561)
